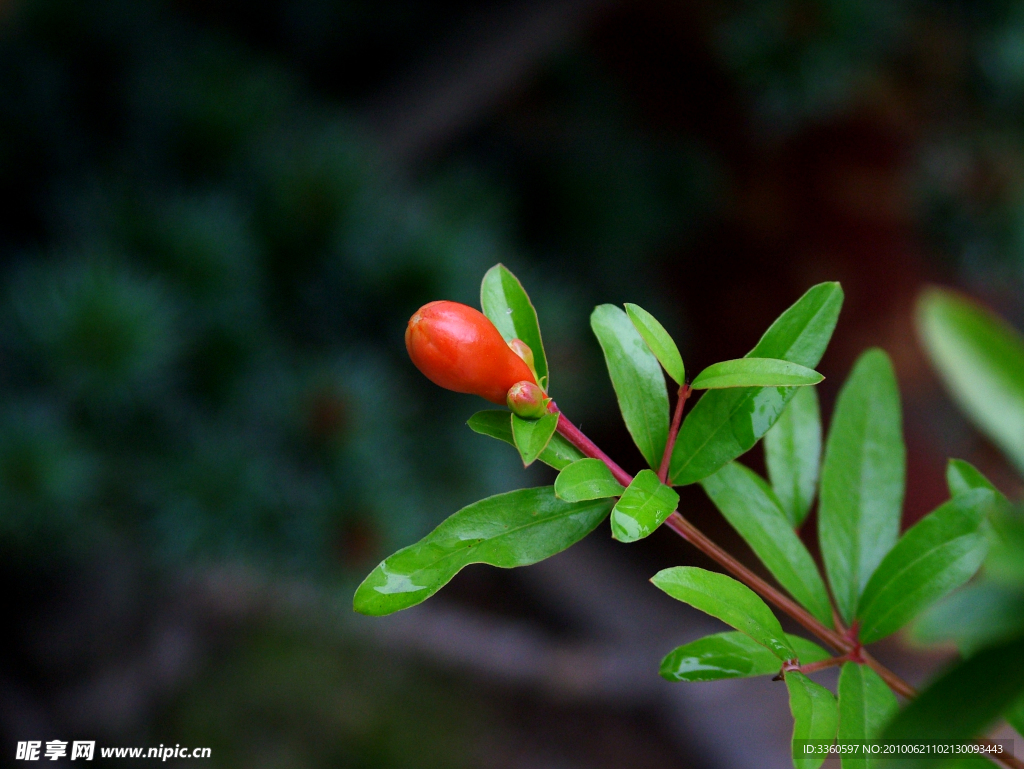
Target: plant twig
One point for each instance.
(673, 432)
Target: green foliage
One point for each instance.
(755, 372)
(792, 452)
(751, 507)
(532, 436)
(513, 529)
(981, 360)
(509, 308)
(643, 507)
(586, 479)
(558, 453)
(937, 555)
(962, 477)
(726, 423)
(658, 339)
(862, 480)
(637, 379)
(731, 655)
(865, 706)
(815, 715)
(730, 601)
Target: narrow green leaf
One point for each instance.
(981, 360)
(730, 601)
(862, 479)
(962, 476)
(865, 706)
(792, 452)
(532, 436)
(637, 379)
(979, 615)
(727, 423)
(964, 700)
(755, 372)
(494, 423)
(586, 479)
(642, 508)
(750, 506)
(731, 655)
(513, 529)
(934, 557)
(658, 339)
(505, 303)
(815, 716)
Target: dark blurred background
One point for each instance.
(219, 216)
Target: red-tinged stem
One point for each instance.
(673, 432)
(702, 542)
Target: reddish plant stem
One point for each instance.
(698, 539)
(673, 432)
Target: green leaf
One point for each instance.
(981, 360)
(727, 423)
(505, 303)
(658, 339)
(532, 436)
(934, 557)
(1014, 715)
(865, 706)
(586, 479)
(642, 508)
(978, 615)
(755, 372)
(731, 655)
(792, 452)
(730, 601)
(962, 476)
(815, 716)
(559, 453)
(637, 379)
(862, 479)
(750, 506)
(513, 529)
(962, 702)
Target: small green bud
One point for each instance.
(527, 400)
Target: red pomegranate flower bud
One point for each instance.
(459, 349)
(527, 400)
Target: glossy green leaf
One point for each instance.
(505, 302)
(934, 557)
(815, 716)
(532, 436)
(750, 506)
(964, 700)
(637, 379)
(513, 529)
(559, 453)
(727, 423)
(792, 452)
(732, 655)
(978, 615)
(730, 601)
(586, 479)
(865, 706)
(755, 372)
(658, 339)
(862, 479)
(642, 508)
(962, 477)
(981, 360)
